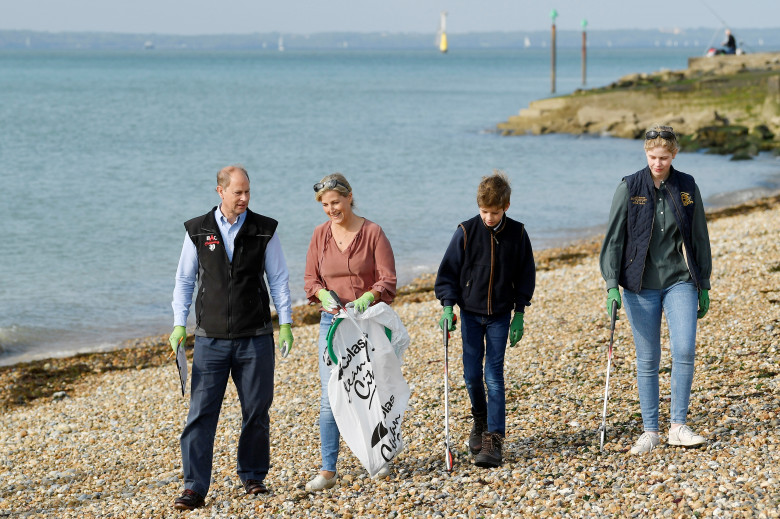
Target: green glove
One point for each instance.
(704, 303)
(448, 315)
(516, 329)
(179, 334)
(327, 300)
(363, 302)
(613, 295)
(285, 339)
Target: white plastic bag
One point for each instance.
(367, 391)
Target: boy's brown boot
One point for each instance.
(475, 438)
(490, 455)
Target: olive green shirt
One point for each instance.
(665, 264)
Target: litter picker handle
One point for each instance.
(448, 457)
(612, 327)
(338, 302)
(335, 297)
(614, 315)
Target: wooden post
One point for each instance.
(553, 15)
(584, 51)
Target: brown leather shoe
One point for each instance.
(188, 500)
(253, 486)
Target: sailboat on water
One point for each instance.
(442, 36)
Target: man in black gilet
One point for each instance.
(226, 253)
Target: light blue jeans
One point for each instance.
(679, 303)
(329, 431)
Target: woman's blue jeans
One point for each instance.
(679, 303)
(484, 337)
(329, 431)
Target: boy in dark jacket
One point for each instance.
(488, 271)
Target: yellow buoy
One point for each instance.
(443, 32)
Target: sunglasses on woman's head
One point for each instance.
(652, 134)
(328, 184)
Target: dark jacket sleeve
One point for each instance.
(701, 242)
(447, 286)
(525, 280)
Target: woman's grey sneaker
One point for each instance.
(685, 437)
(383, 472)
(321, 483)
(646, 443)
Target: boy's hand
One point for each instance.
(516, 329)
(704, 303)
(448, 315)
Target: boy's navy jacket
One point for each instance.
(487, 271)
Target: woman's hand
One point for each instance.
(363, 302)
(327, 300)
(613, 297)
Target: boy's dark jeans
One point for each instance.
(484, 339)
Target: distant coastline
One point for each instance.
(697, 39)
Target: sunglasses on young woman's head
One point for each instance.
(652, 134)
(328, 184)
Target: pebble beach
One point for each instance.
(105, 441)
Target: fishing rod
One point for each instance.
(710, 9)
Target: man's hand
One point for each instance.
(448, 315)
(704, 303)
(613, 297)
(285, 339)
(179, 335)
(363, 302)
(516, 329)
(327, 300)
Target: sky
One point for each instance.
(190, 17)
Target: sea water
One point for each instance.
(103, 155)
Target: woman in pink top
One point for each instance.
(351, 256)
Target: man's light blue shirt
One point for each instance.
(275, 271)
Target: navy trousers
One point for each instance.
(250, 361)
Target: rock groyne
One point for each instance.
(726, 104)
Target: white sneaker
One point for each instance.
(685, 437)
(383, 472)
(647, 442)
(321, 483)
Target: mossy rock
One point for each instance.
(718, 136)
(763, 133)
(687, 143)
(742, 155)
